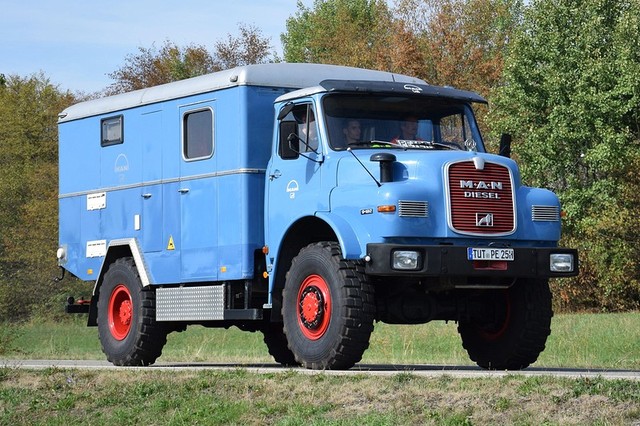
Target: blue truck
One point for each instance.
(305, 202)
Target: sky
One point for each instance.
(76, 43)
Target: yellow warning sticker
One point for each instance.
(171, 245)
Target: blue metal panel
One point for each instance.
(79, 156)
(151, 220)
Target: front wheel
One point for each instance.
(276, 342)
(515, 329)
(328, 308)
(128, 332)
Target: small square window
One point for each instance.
(198, 134)
(112, 132)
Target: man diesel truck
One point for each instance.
(305, 202)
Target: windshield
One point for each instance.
(363, 121)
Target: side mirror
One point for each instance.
(288, 135)
(505, 145)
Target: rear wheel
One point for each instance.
(514, 334)
(327, 308)
(128, 332)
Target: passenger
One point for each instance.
(408, 129)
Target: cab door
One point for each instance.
(295, 172)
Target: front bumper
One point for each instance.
(451, 261)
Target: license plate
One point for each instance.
(486, 253)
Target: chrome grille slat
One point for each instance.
(408, 208)
(545, 213)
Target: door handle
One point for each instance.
(275, 175)
(146, 196)
(183, 190)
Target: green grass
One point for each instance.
(609, 341)
(61, 397)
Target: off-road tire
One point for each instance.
(128, 331)
(517, 332)
(276, 341)
(328, 308)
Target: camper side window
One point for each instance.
(111, 131)
(197, 136)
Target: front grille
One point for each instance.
(413, 208)
(545, 213)
(480, 199)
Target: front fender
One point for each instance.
(351, 245)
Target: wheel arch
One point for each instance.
(117, 249)
(305, 231)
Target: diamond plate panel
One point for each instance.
(204, 303)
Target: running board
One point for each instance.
(198, 303)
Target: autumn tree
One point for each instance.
(249, 47)
(28, 194)
(152, 66)
(459, 43)
(570, 98)
(463, 42)
(343, 32)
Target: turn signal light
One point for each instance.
(387, 209)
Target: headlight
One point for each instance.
(406, 260)
(561, 262)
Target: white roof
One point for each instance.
(286, 75)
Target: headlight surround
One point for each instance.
(561, 262)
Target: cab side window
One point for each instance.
(298, 132)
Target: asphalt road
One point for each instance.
(381, 370)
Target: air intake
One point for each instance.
(413, 208)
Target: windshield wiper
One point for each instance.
(408, 144)
(374, 142)
(405, 143)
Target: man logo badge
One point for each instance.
(484, 219)
(413, 88)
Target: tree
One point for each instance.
(570, 98)
(462, 48)
(152, 66)
(344, 32)
(28, 193)
(250, 47)
(436, 40)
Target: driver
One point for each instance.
(352, 131)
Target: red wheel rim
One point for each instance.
(120, 312)
(314, 307)
(497, 332)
